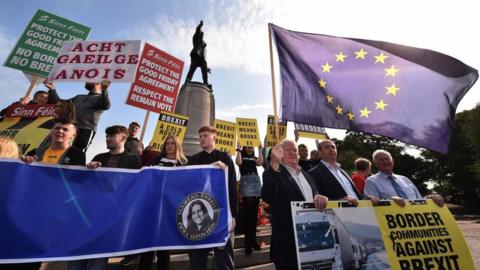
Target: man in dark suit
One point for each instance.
(331, 180)
(283, 182)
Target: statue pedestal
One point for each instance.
(196, 101)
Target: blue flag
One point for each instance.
(405, 93)
(53, 212)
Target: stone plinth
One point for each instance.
(196, 101)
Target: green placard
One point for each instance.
(41, 41)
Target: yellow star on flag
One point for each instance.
(322, 83)
(350, 116)
(329, 98)
(327, 67)
(340, 57)
(380, 58)
(391, 71)
(381, 105)
(392, 90)
(361, 54)
(365, 112)
(339, 110)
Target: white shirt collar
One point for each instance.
(330, 166)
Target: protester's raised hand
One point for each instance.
(374, 199)
(24, 100)
(320, 202)
(351, 200)
(277, 154)
(29, 159)
(49, 84)
(94, 164)
(437, 199)
(219, 164)
(105, 84)
(398, 200)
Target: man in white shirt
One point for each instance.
(386, 185)
(285, 182)
(331, 180)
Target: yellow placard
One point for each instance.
(310, 131)
(169, 124)
(226, 136)
(270, 138)
(27, 132)
(248, 132)
(422, 236)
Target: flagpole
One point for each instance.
(33, 83)
(274, 93)
(144, 127)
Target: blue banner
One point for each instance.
(54, 212)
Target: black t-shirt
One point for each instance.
(249, 165)
(123, 160)
(209, 158)
(113, 161)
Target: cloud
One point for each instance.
(236, 34)
(13, 83)
(257, 111)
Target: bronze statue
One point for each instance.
(198, 56)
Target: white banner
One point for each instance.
(95, 61)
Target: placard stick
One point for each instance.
(144, 127)
(272, 71)
(33, 83)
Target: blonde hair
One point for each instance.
(8, 148)
(179, 156)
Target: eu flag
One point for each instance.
(405, 93)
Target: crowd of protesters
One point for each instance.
(288, 175)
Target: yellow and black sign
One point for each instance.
(27, 132)
(310, 131)
(282, 129)
(248, 132)
(226, 136)
(422, 236)
(169, 124)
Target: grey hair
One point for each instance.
(381, 151)
(287, 141)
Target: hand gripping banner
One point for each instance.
(53, 212)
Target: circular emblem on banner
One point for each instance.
(197, 216)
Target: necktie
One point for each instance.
(397, 187)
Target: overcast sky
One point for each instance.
(237, 37)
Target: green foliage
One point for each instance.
(458, 173)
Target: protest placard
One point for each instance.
(282, 128)
(27, 125)
(248, 132)
(226, 136)
(169, 124)
(40, 43)
(420, 235)
(157, 81)
(95, 61)
(310, 131)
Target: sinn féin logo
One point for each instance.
(197, 216)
